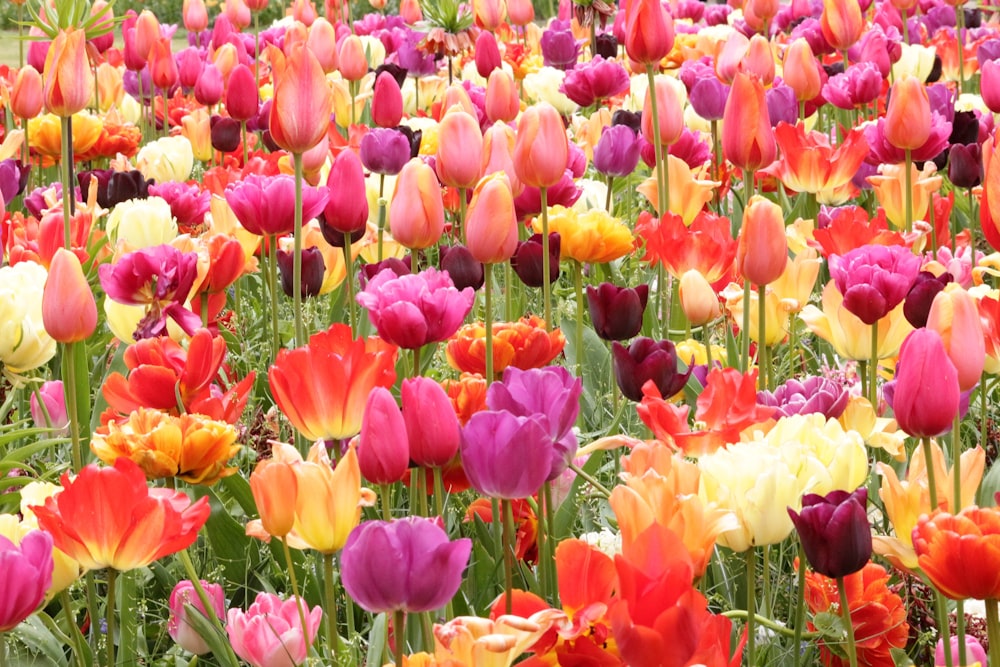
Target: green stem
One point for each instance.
(272, 287)
(873, 370)
(751, 580)
(600, 488)
(438, 491)
(960, 43)
(546, 287)
(300, 330)
(845, 609)
(941, 606)
(243, 136)
(69, 386)
(497, 527)
(192, 575)
(349, 282)
(67, 183)
(745, 329)
(993, 631)
(381, 214)
(295, 588)
(383, 491)
(983, 395)
(462, 208)
(906, 28)
(488, 321)
(508, 554)
(762, 352)
(661, 190)
(398, 626)
(925, 444)
(956, 473)
(109, 614)
(607, 199)
(72, 631)
(741, 614)
(329, 592)
(578, 284)
(800, 600)
(908, 185)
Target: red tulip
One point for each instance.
(649, 32)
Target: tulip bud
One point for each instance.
(520, 12)
(180, 627)
(384, 151)
(747, 136)
(908, 117)
(762, 250)
(383, 448)
(502, 101)
(463, 269)
(617, 151)
(416, 212)
(351, 58)
(273, 484)
(225, 134)
(835, 532)
(699, 301)
(346, 213)
(189, 67)
(491, 225)
(241, 96)
(541, 150)
(68, 82)
(616, 312)
(801, 71)
(55, 415)
(69, 310)
(527, 260)
(460, 150)
(487, 54)
(955, 317)
(162, 65)
(431, 424)
(669, 94)
(387, 101)
(925, 394)
(313, 271)
(195, 15)
(649, 32)
(647, 360)
(209, 88)
(147, 32)
(917, 305)
(26, 97)
(322, 41)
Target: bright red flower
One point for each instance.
(960, 553)
(707, 246)
(850, 228)
(808, 162)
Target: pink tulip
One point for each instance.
(925, 393)
(460, 150)
(431, 425)
(387, 101)
(53, 398)
(416, 212)
(270, 633)
(180, 627)
(303, 102)
(25, 576)
(69, 310)
(383, 452)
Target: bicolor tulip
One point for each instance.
(842, 23)
(835, 532)
(69, 310)
(541, 150)
(274, 487)
(747, 137)
(180, 627)
(270, 632)
(809, 163)
(491, 225)
(460, 150)
(801, 71)
(908, 116)
(762, 251)
(874, 279)
(416, 212)
(68, 82)
(954, 315)
(303, 102)
(649, 32)
(925, 394)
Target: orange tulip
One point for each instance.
(960, 553)
(322, 387)
(162, 65)
(762, 251)
(460, 150)
(669, 98)
(955, 316)
(26, 97)
(147, 31)
(809, 163)
(523, 344)
(801, 70)
(300, 111)
(747, 137)
(491, 225)
(908, 118)
(274, 489)
(489, 13)
(467, 395)
(410, 12)
(68, 81)
(69, 311)
(351, 58)
(416, 212)
(502, 101)
(541, 150)
(842, 23)
(699, 300)
(649, 31)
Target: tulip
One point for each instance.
(842, 23)
(26, 98)
(345, 214)
(925, 397)
(195, 15)
(801, 71)
(51, 396)
(908, 117)
(617, 151)
(266, 205)
(834, 531)
(649, 32)
(162, 65)
(383, 450)
(410, 12)
(463, 269)
(69, 310)
(958, 552)
(489, 13)
(502, 101)
(669, 100)
(917, 305)
(955, 317)
(520, 12)
(432, 428)
(747, 137)
(491, 225)
(874, 279)
(527, 260)
(973, 650)
(209, 88)
(241, 94)
(384, 151)
(560, 49)
(313, 271)
(990, 77)
(646, 360)
(180, 628)
(616, 312)
(699, 300)
(460, 150)
(373, 577)
(387, 101)
(351, 58)
(505, 455)
(487, 54)
(274, 487)
(302, 104)
(416, 212)
(762, 251)
(541, 151)
(270, 632)
(68, 82)
(814, 394)
(322, 41)
(25, 576)
(523, 344)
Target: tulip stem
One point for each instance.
(438, 482)
(751, 577)
(762, 352)
(908, 184)
(800, 600)
(206, 602)
(578, 284)
(607, 199)
(332, 638)
(243, 137)
(398, 626)
(295, 589)
(662, 197)
(349, 282)
(69, 386)
(546, 287)
(109, 615)
(941, 606)
(462, 208)
(508, 554)
(845, 609)
(956, 507)
(600, 488)
(300, 331)
(71, 628)
(745, 330)
(383, 491)
(488, 317)
(67, 174)
(993, 631)
(381, 214)
(983, 396)
(272, 288)
(873, 371)
(925, 444)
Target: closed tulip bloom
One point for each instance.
(147, 31)
(410, 12)
(68, 82)
(762, 250)
(541, 150)
(527, 259)
(973, 649)
(384, 151)
(374, 578)
(69, 310)
(616, 312)
(835, 532)
(322, 41)
(460, 150)
(313, 271)
(238, 13)
(990, 77)
(506, 456)
(669, 98)
(383, 451)
(241, 94)
(649, 32)
(270, 632)
(960, 553)
(387, 101)
(699, 300)
(52, 396)
(502, 101)
(416, 212)
(520, 12)
(210, 86)
(647, 360)
(25, 575)
(925, 398)
(345, 213)
(487, 54)
(842, 23)
(26, 96)
(351, 58)
(463, 269)
(274, 487)
(303, 102)
(180, 627)
(491, 225)
(195, 15)
(498, 151)
(908, 117)
(747, 137)
(162, 65)
(954, 315)
(801, 71)
(617, 151)
(431, 425)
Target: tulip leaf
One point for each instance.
(40, 639)
(376, 641)
(127, 620)
(569, 511)
(230, 544)
(900, 658)
(990, 485)
(205, 629)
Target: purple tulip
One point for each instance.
(781, 105)
(965, 164)
(403, 565)
(874, 279)
(412, 311)
(559, 46)
(464, 269)
(834, 531)
(401, 267)
(917, 305)
(617, 311)
(25, 575)
(265, 205)
(527, 260)
(384, 150)
(813, 394)
(617, 151)
(644, 360)
(188, 203)
(53, 399)
(127, 185)
(313, 271)
(708, 98)
(13, 178)
(551, 393)
(505, 455)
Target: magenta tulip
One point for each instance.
(383, 451)
(505, 455)
(265, 205)
(874, 279)
(925, 395)
(25, 575)
(432, 427)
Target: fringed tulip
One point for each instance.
(69, 310)
(925, 393)
(68, 82)
(303, 102)
(416, 212)
(491, 226)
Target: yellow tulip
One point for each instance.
(850, 337)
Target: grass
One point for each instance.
(9, 46)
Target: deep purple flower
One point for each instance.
(225, 133)
(313, 271)
(917, 305)
(595, 80)
(265, 205)
(464, 269)
(874, 279)
(781, 105)
(965, 165)
(527, 260)
(644, 360)
(505, 455)
(607, 46)
(551, 394)
(559, 46)
(617, 151)
(407, 564)
(412, 311)
(126, 185)
(630, 119)
(616, 312)
(188, 203)
(807, 396)
(13, 178)
(834, 531)
(384, 150)
(400, 267)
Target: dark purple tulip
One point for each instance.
(644, 360)
(103, 177)
(559, 46)
(551, 394)
(808, 396)
(414, 137)
(630, 119)
(527, 260)
(834, 531)
(965, 165)
(374, 575)
(505, 455)
(398, 73)
(225, 133)
(188, 203)
(617, 311)
(313, 270)
(126, 185)
(708, 98)
(607, 45)
(384, 151)
(464, 269)
(964, 128)
(917, 305)
(617, 151)
(401, 267)
(874, 279)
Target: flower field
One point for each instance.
(471, 335)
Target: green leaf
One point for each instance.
(900, 658)
(217, 642)
(376, 641)
(568, 512)
(40, 639)
(128, 619)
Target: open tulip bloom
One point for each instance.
(317, 322)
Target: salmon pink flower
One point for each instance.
(109, 517)
(69, 311)
(270, 632)
(747, 137)
(412, 311)
(180, 627)
(303, 102)
(649, 31)
(416, 212)
(541, 150)
(68, 80)
(809, 163)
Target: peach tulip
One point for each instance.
(68, 81)
(747, 137)
(541, 150)
(460, 150)
(762, 251)
(416, 212)
(300, 112)
(69, 310)
(491, 225)
(908, 117)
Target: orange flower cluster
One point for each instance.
(524, 344)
